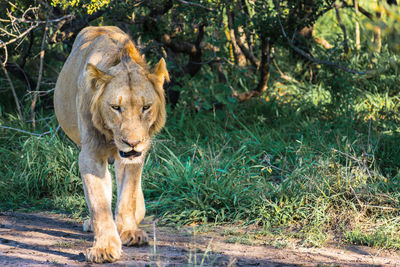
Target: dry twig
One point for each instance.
(23, 131)
(35, 94)
(15, 23)
(16, 29)
(283, 75)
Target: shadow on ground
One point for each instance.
(52, 239)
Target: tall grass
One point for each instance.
(316, 159)
(36, 170)
(320, 176)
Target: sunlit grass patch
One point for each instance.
(380, 238)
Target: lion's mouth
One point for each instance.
(129, 154)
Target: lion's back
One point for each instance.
(94, 45)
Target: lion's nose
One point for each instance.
(131, 143)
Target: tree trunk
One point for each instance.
(264, 67)
(357, 25)
(341, 24)
(264, 73)
(378, 35)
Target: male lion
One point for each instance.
(110, 104)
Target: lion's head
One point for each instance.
(128, 103)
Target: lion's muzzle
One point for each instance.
(129, 154)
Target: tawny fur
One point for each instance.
(107, 100)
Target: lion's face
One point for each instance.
(128, 109)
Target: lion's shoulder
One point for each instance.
(112, 43)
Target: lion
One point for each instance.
(109, 103)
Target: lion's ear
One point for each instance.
(160, 73)
(96, 77)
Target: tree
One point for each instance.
(192, 35)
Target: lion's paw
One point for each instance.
(99, 253)
(134, 238)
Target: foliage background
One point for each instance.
(276, 117)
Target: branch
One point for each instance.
(181, 47)
(5, 53)
(323, 42)
(195, 4)
(365, 12)
(8, 33)
(70, 28)
(200, 35)
(311, 58)
(19, 36)
(23, 131)
(264, 66)
(42, 92)
(14, 6)
(264, 73)
(361, 9)
(246, 52)
(35, 95)
(192, 49)
(52, 39)
(191, 67)
(341, 24)
(14, 22)
(67, 17)
(283, 75)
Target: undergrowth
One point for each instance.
(299, 158)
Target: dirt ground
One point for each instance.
(52, 239)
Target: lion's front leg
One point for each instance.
(98, 192)
(130, 208)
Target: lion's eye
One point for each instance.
(116, 107)
(146, 107)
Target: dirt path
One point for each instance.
(52, 239)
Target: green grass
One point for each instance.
(316, 175)
(36, 170)
(310, 160)
(381, 238)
